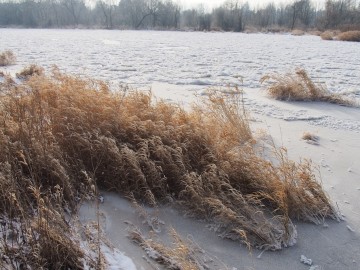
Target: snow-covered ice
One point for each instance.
(305, 260)
(179, 66)
(183, 58)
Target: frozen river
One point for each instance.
(185, 58)
(185, 61)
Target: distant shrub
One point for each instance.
(273, 29)
(349, 27)
(250, 30)
(310, 138)
(314, 32)
(349, 36)
(300, 87)
(5, 80)
(327, 35)
(7, 58)
(216, 29)
(30, 71)
(298, 32)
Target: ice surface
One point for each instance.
(305, 260)
(178, 65)
(182, 60)
(186, 58)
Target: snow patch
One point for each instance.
(116, 260)
(305, 260)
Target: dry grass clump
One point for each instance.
(67, 136)
(310, 138)
(7, 58)
(38, 236)
(297, 32)
(327, 35)
(30, 71)
(349, 36)
(300, 87)
(179, 256)
(314, 32)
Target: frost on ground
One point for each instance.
(116, 260)
(106, 55)
(98, 252)
(305, 260)
(315, 267)
(96, 246)
(183, 58)
(309, 115)
(194, 59)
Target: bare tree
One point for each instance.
(107, 8)
(151, 9)
(233, 15)
(74, 7)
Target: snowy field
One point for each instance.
(178, 64)
(183, 58)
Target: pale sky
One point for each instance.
(253, 3)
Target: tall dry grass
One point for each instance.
(349, 36)
(62, 137)
(30, 71)
(298, 86)
(179, 256)
(297, 32)
(327, 35)
(7, 58)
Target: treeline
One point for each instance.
(233, 15)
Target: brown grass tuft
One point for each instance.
(327, 35)
(66, 136)
(300, 87)
(310, 138)
(179, 256)
(29, 71)
(314, 32)
(298, 32)
(349, 36)
(7, 58)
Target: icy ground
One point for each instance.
(178, 65)
(186, 58)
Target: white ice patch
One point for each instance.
(315, 267)
(110, 42)
(177, 55)
(116, 260)
(305, 260)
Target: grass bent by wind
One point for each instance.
(298, 86)
(63, 137)
(7, 58)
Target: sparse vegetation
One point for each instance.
(156, 14)
(61, 137)
(7, 58)
(349, 36)
(30, 71)
(298, 32)
(179, 256)
(310, 138)
(327, 35)
(298, 86)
